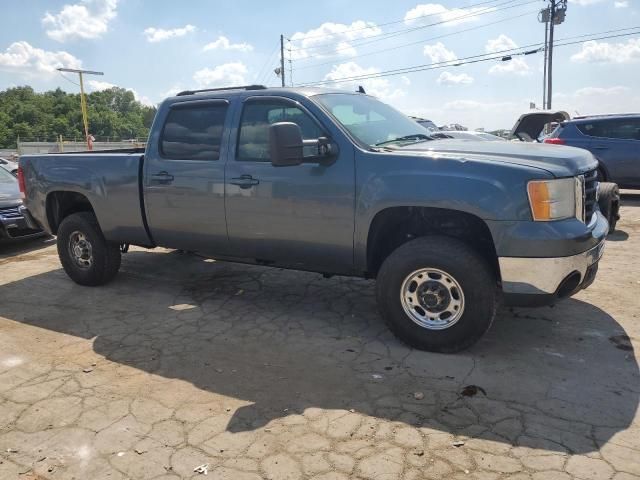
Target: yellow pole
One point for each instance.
(83, 106)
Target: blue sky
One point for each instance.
(158, 47)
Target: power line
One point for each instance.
(261, 73)
(68, 79)
(378, 25)
(384, 36)
(500, 55)
(457, 32)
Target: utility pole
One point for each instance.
(281, 59)
(550, 55)
(544, 18)
(557, 14)
(83, 100)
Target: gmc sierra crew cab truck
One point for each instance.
(336, 183)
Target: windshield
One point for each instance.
(371, 121)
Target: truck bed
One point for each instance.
(110, 181)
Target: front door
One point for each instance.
(299, 216)
(184, 178)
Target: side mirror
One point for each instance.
(285, 144)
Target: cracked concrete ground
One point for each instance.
(264, 373)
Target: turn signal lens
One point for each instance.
(552, 199)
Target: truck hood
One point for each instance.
(559, 161)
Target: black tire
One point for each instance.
(609, 203)
(460, 262)
(105, 257)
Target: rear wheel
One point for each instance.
(84, 253)
(437, 294)
(609, 203)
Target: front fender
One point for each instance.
(489, 191)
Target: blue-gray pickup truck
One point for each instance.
(336, 183)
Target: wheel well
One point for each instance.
(63, 204)
(395, 226)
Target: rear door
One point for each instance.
(299, 216)
(184, 177)
(616, 144)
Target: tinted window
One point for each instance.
(194, 133)
(253, 139)
(628, 129)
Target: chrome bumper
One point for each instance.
(545, 275)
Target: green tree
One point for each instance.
(113, 114)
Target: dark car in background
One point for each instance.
(13, 223)
(613, 139)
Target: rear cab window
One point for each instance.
(194, 131)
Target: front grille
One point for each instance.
(590, 194)
(10, 213)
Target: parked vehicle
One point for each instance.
(611, 169)
(9, 166)
(428, 124)
(471, 135)
(337, 183)
(12, 221)
(613, 139)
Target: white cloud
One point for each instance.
(378, 87)
(223, 43)
(160, 34)
(621, 4)
(98, 85)
(598, 100)
(438, 53)
(86, 19)
(604, 52)
(225, 75)
(331, 38)
(499, 44)
(517, 65)
(22, 57)
(448, 78)
(405, 80)
(430, 13)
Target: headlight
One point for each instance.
(552, 199)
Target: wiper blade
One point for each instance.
(415, 136)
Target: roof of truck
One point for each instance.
(250, 90)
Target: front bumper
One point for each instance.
(531, 281)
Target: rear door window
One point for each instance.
(624, 129)
(194, 132)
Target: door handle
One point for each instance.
(601, 147)
(244, 181)
(162, 177)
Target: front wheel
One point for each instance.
(437, 294)
(84, 253)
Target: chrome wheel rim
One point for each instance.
(432, 298)
(80, 250)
